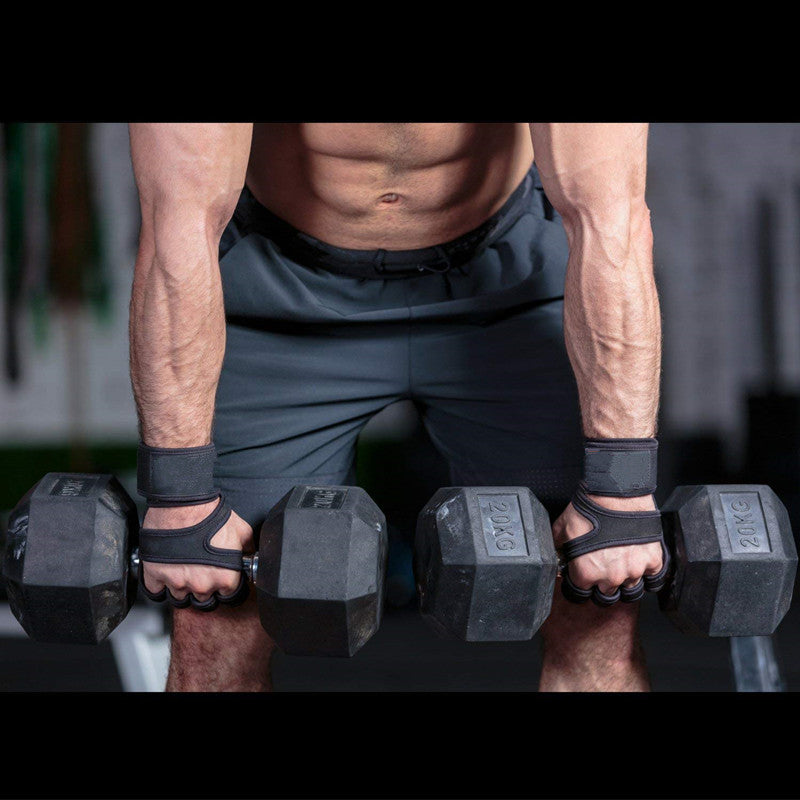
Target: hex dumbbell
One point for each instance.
(71, 564)
(485, 565)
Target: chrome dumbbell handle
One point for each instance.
(249, 565)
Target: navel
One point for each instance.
(389, 197)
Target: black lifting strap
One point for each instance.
(611, 528)
(190, 545)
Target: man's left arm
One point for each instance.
(594, 175)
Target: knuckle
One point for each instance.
(201, 588)
(616, 578)
(654, 565)
(583, 576)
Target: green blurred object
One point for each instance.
(43, 139)
(77, 269)
(54, 242)
(13, 153)
(24, 465)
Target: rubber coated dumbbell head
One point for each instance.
(485, 563)
(734, 560)
(321, 569)
(67, 557)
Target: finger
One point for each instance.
(178, 593)
(229, 582)
(158, 595)
(655, 565)
(654, 582)
(248, 541)
(204, 605)
(152, 585)
(178, 602)
(571, 592)
(235, 534)
(203, 592)
(633, 593)
(582, 577)
(600, 598)
(558, 531)
(238, 595)
(631, 582)
(610, 585)
(201, 589)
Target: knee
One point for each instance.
(220, 634)
(571, 626)
(225, 650)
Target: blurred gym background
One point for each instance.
(725, 203)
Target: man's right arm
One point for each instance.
(189, 178)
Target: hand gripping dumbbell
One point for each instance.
(71, 564)
(485, 564)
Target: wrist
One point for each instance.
(620, 468)
(176, 476)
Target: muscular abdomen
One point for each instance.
(387, 185)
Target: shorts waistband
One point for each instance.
(252, 217)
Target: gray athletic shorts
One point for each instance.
(320, 339)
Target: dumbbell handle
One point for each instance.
(249, 565)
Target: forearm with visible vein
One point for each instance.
(613, 328)
(177, 328)
(594, 174)
(189, 177)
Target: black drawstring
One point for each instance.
(440, 266)
(434, 267)
(444, 259)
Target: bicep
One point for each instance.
(592, 173)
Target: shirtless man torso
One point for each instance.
(380, 188)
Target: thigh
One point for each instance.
(290, 406)
(499, 400)
(303, 372)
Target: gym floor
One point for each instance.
(406, 656)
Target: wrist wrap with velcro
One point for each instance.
(175, 476)
(620, 467)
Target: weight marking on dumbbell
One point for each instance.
(73, 487)
(323, 498)
(744, 517)
(502, 525)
